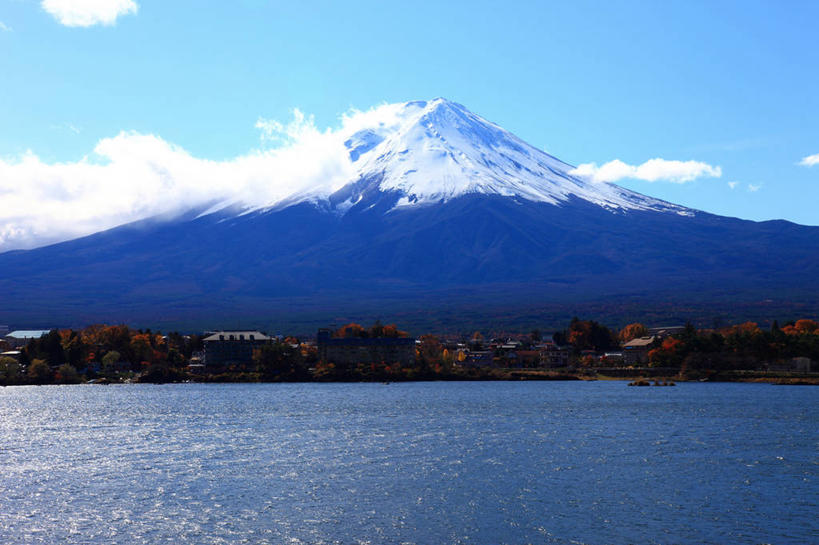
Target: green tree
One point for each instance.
(73, 348)
(279, 361)
(67, 374)
(590, 335)
(39, 372)
(9, 370)
(54, 348)
(111, 357)
(109, 361)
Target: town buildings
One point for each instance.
(355, 350)
(635, 351)
(226, 348)
(21, 337)
(553, 355)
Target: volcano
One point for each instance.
(447, 218)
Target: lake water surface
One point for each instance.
(423, 463)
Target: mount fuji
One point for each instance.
(434, 152)
(445, 217)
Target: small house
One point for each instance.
(21, 337)
(635, 351)
(226, 348)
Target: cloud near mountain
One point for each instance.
(653, 170)
(133, 176)
(418, 207)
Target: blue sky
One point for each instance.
(734, 85)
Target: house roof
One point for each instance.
(217, 336)
(639, 342)
(367, 341)
(28, 333)
(666, 330)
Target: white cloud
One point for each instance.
(4, 27)
(132, 176)
(275, 132)
(753, 188)
(653, 170)
(810, 160)
(733, 185)
(85, 13)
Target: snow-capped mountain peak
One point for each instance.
(438, 150)
(426, 152)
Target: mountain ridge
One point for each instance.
(410, 243)
(434, 151)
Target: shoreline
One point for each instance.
(494, 376)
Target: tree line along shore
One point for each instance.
(584, 350)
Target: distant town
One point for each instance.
(584, 350)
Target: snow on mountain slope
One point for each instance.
(394, 155)
(431, 152)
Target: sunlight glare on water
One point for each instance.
(482, 463)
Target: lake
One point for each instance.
(410, 463)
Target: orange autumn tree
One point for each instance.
(632, 331)
(430, 352)
(146, 347)
(744, 329)
(73, 347)
(353, 330)
(668, 354)
(741, 337)
(390, 330)
(802, 327)
(350, 331)
(107, 337)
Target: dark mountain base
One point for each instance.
(477, 262)
(432, 312)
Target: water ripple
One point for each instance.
(460, 463)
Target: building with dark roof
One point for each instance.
(636, 350)
(553, 355)
(355, 350)
(226, 348)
